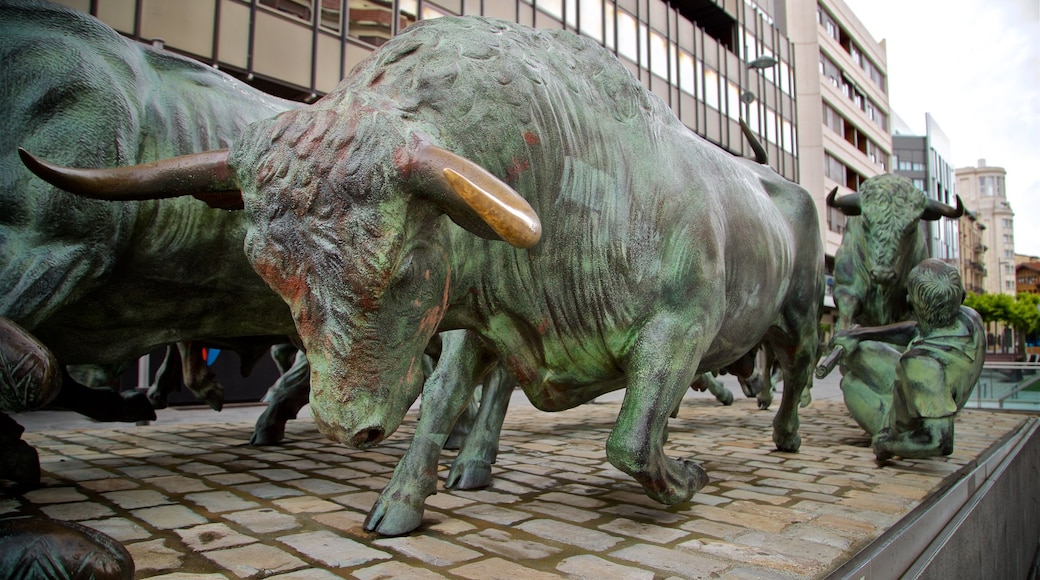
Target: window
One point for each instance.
(686, 71)
(373, 22)
(833, 168)
(711, 88)
(627, 36)
(833, 120)
(991, 186)
(827, 22)
(592, 18)
(830, 70)
(733, 101)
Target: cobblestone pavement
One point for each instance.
(195, 501)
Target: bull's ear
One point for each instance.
(475, 199)
(205, 176)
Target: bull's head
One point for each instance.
(890, 207)
(345, 224)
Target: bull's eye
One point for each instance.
(405, 271)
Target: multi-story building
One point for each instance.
(694, 54)
(972, 264)
(843, 112)
(982, 189)
(924, 160)
(1027, 277)
(842, 101)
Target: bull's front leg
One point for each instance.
(659, 371)
(399, 508)
(472, 467)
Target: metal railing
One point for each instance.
(1007, 385)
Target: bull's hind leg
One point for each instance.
(399, 508)
(472, 467)
(796, 352)
(660, 369)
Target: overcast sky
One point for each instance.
(975, 66)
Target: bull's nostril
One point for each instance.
(368, 437)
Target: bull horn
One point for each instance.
(205, 176)
(487, 200)
(848, 204)
(936, 209)
(761, 156)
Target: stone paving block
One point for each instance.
(652, 515)
(447, 500)
(154, 555)
(588, 567)
(443, 524)
(362, 500)
(199, 468)
(88, 474)
(493, 513)
(306, 574)
(505, 544)
(499, 569)
(263, 521)
(169, 517)
(9, 506)
(350, 522)
(804, 550)
(706, 527)
(574, 500)
(136, 498)
(146, 471)
(560, 511)
(672, 561)
(485, 496)
(306, 504)
(81, 510)
(178, 483)
(188, 576)
(317, 486)
(212, 537)
(121, 529)
(332, 549)
(757, 496)
(570, 534)
(255, 560)
(395, 571)
(429, 550)
(113, 484)
(231, 478)
(267, 490)
(54, 495)
(220, 501)
(658, 534)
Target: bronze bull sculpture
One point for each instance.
(519, 184)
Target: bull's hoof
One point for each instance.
(765, 399)
(157, 398)
(136, 407)
(725, 397)
(20, 464)
(393, 518)
(469, 474)
(806, 398)
(679, 485)
(789, 443)
(267, 434)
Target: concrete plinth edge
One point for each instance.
(983, 523)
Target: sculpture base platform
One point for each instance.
(194, 498)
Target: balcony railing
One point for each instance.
(1007, 385)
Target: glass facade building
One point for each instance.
(693, 54)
